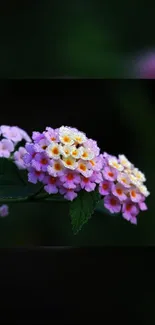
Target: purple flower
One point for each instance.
(51, 135)
(30, 155)
(105, 187)
(69, 194)
(96, 164)
(51, 184)
(18, 158)
(112, 204)
(37, 136)
(130, 211)
(6, 147)
(110, 174)
(70, 179)
(142, 205)
(12, 133)
(119, 191)
(34, 176)
(87, 184)
(92, 145)
(41, 145)
(40, 162)
(96, 177)
(135, 196)
(4, 210)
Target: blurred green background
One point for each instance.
(73, 38)
(83, 39)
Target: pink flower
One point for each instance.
(142, 205)
(34, 176)
(110, 174)
(92, 145)
(105, 187)
(87, 184)
(4, 210)
(112, 203)
(6, 147)
(69, 194)
(51, 134)
(40, 162)
(11, 133)
(96, 177)
(70, 179)
(96, 163)
(52, 184)
(130, 211)
(18, 158)
(119, 191)
(135, 196)
(55, 168)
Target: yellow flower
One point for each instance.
(143, 190)
(139, 175)
(69, 162)
(124, 161)
(76, 152)
(114, 163)
(53, 151)
(79, 137)
(65, 150)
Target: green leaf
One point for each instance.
(82, 208)
(12, 184)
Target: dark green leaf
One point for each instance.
(12, 183)
(82, 208)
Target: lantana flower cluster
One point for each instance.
(10, 137)
(123, 187)
(66, 161)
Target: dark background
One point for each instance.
(120, 116)
(78, 39)
(46, 39)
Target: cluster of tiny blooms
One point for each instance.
(123, 187)
(66, 161)
(10, 137)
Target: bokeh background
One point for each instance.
(93, 39)
(74, 38)
(119, 114)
